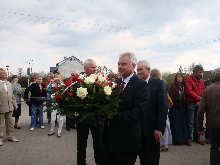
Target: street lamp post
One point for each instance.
(29, 70)
(7, 70)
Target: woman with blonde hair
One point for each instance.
(17, 91)
(56, 81)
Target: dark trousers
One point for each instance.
(49, 116)
(215, 146)
(70, 122)
(207, 133)
(117, 158)
(150, 151)
(82, 136)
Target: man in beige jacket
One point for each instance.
(7, 105)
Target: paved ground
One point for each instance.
(36, 148)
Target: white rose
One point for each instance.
(101, 79)
(53, 95)
(94, 76)
(107, 90)
(89, 80)
(81, 76)
(81, 92)
(76, 114)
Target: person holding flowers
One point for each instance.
(122, 132)
(55, 83)
(90, 98)
(83, 127)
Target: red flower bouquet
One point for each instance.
(90, 99)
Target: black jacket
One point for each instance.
(125, 128)
(156, 113)
(35, 92)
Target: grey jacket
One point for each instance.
(209, 104)
(16, 89)
(7, 99)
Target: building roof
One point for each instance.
(66, 59)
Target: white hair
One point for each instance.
(39, 76)
(131, 55)
(87, 62)
(146, 63)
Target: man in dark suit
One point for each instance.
(154, 122)
(122, 132)
(83, 127)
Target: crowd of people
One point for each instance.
(149, 116)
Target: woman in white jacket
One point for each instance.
(56, 81)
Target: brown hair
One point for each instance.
(57, 73)
(175, 79)
(32, 78)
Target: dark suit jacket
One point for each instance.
(208, 83)
(35, 92)
(125, 127)
(156, 113)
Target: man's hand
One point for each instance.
(157, 135)
(15, 108)
(197, 104)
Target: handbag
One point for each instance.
(28, 102)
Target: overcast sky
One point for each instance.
(167, 33)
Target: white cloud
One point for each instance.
(166, 33)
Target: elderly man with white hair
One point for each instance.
(7, 105)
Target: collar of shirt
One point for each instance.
(127, 80)
(4, 85)
(147, 79)
(2, 81)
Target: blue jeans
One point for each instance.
(34, 109)
(191, 120)
(215, 146)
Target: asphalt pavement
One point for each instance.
(37, 148)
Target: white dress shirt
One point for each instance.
(127, 80)
(4, 84)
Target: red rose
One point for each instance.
(115, 85)
(79, 81)
(75, 78)
(70, 94)
(109, 82)
(55, 88)
(106, 78)
(98, 83)
(57, 96)
(68, 82)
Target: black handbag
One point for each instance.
(28, 102)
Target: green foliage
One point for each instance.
(96, 106)
(104, 68)
(206, 76)
(168, 78)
